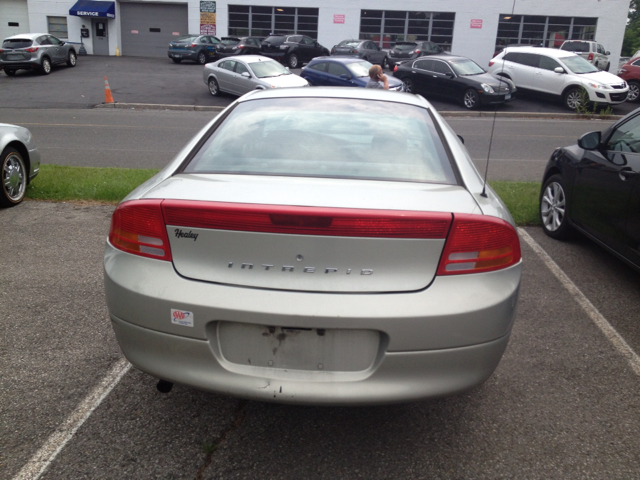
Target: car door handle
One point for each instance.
(627, 173)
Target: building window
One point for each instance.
(262, 21)
(386, 27)
(543, 30)
(58, 26)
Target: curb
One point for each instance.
(445, 113)
(154, 106)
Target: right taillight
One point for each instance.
(491, 63)
(479, 244)
(138, 227)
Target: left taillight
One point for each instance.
(32, 49)
(138, 227)
(479, 244)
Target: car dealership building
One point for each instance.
(464, 27)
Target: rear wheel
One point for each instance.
(11, 73)
(470, 99)
(606, 69)
(408, 85)
(293, 61)
(72, 59)
(14, 178)
(214, 89)
(202, 58)
(634, 92)
(553, 208)
(176, 60)
(385, 63)
(45, 66)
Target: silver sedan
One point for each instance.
(20, 163)
(316, 246)
(239, 75)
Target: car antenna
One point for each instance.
(493, 125)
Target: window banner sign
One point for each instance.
(207, 17)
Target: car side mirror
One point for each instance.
(607, 53)
(590, 141)
(559, 70)
(246, 74)
(461, 139)
(449, 75)
(62, 43)
(344, 76)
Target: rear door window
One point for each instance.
(320, 66)
(424, 65)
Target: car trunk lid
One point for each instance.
(302, 234)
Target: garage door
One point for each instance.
(14, 18)
(147, 28)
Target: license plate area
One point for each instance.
(507, 96)
(299, 349)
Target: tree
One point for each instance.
(631, 42)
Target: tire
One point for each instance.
(634, 92)
(572, 99)
(607, 67)
(470, 99)
(409, 87)
(13, 176)
(293, 61)
(385, 63)
(214, 88)
(553, 208)
(10, 73)
(72, 59)
(176, 60)
(202, 58)
(45, 68)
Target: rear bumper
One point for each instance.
(433, 342)
(396, 376)
(183, 54)
(21, 65)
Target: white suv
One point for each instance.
(591, 51)
(558, 73)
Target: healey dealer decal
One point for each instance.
(182, 317)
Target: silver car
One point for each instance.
(365, 49)
(239, 75)
(35, 51)
(316, 246)
(20, 161)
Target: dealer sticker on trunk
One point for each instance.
(182, 317)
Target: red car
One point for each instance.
(630, 72)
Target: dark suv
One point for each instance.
(403, 51)
(292, 50)
(239, 46)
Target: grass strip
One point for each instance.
(89, 184)
(110, 185)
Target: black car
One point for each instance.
(229, 46)
(199, 48)
(594, 187)
(403, 51)
(458, 78)
(292, 50)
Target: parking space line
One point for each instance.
(36, 466)
(605, 327)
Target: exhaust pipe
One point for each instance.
(164, 387)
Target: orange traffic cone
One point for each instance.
(108, 98)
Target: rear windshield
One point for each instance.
(405, 47)
(186, 39)
(327, 137)
(575, 46)
(230, 41)
(349, 43)
(17, 43)
(275, 40)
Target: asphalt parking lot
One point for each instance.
(160, 81)
(563, 402)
